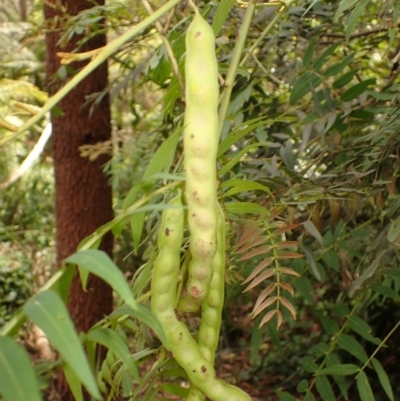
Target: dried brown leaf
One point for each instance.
(287, 244)
(267, 317)
(264, 295)
(287, 287)
(264, 305)
(256, 252)
(266, 262)
(284, 229)
(280, 319)
(252, 244)
(250, 231)
(289, 255)
(286, 270)
(288, 306)
(268, 273)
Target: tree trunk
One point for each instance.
(83, 194)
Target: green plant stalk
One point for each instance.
(264, 33)
(379, 347)
(100, 58)
(234, 64)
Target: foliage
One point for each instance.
(308, 166)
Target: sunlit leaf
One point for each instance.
(257, 252)
(267, 274)
(49, 313)
(100, 264)
(288, 306)
(246, 208)
(266, 262)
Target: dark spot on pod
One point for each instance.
(167, 232)
(194, 371)
(203, 369)
(191, 135)
(197, 34)
(193, 214)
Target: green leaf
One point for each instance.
(338, 67)
(321, 59)
(303, 85)
(304, 287)
(136, 222)
(339, 370)
(111, 340)
(345, 79)
(386, 291)
(324, 388)
(364, 388)
(164, 156)
(309, 52)
(353, 347)
(302, 387)
(312, 262)
(330, 326)
(309, 397)
(331, 259)
(246, 208)
(357, 89)
(308, 364)
(356, 13)
(238, 185)
(285, 396)
(175, 389)
(100, 264)
(73, 382)
(310, 227)
(331, 360)
(392, 272)
(220, 16)
(343, 6)
(363, 329)
(49, 313)
(241, 131)
(238, 157)
(144, 315)
(383, 378)
(18, 380)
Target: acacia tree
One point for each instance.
(83, 194)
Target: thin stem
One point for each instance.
(167, 45)
(234, 64)
(380, 346)
(265, 32)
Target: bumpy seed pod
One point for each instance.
(211, 309)
(200, 148)
(163, 294)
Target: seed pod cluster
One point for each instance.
(200, 149)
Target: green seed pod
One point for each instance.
(211, 311)
(200, 149)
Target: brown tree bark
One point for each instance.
(83, 194)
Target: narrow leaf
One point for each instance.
(290, 255)
(310, 227)
(246, 208)
(100, 264)
(284, 396)
(287, 270)
(340, 370)
(49, 313)
(324, 388)
(353, 347)
(287, 287)
(265, 304)
(268, 273)
(288, 306)
(256, 252)
(262, 296)
(364, 388)
(15, 365)
(111, 340)
(266, 262)
(383, 378)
